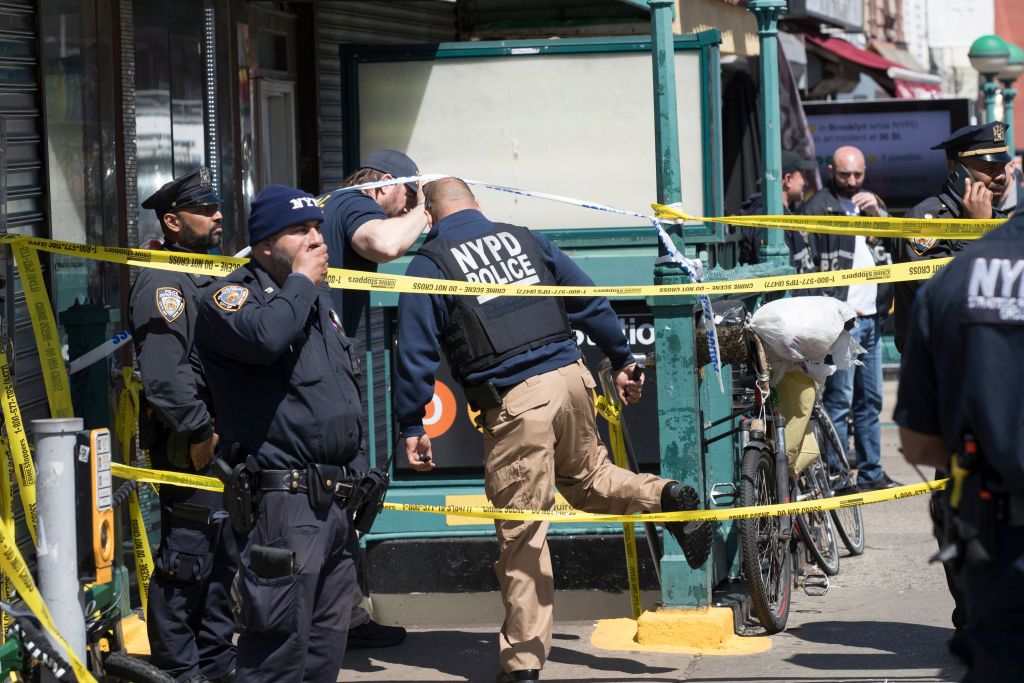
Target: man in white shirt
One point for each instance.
(856, 392)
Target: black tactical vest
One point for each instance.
(483, 331)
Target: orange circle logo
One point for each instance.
(440, 413)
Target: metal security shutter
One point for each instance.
(24, 199)
(377, 22)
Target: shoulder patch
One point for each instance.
(230, 298)
(170, 303)
(921, 245)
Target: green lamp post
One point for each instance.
(989, 56)
(1008, 76)
(767, 12)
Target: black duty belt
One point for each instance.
(294, 481)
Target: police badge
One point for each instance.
(921, 245)
(170, 303)
(230, 298)
(998, 132)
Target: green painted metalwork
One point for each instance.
(990, 89)
(767, 13)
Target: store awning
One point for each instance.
(904, 83)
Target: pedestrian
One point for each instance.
(857, 391)
(282, 380)
(364, 228)
(517, 361)
(960, 375)
(979, 171)
(797, 174)
(188, 618)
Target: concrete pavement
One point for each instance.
(886, 618)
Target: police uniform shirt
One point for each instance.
(344, 213)
(163, 309)
(279, 370)
(421, 317)
(962, 369)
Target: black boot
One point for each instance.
(693, 537)
(521, 676)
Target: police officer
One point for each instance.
(364, 228)
(517, 361)
(796, 173)
(959, 393)
(979, 164)
(287, 401)
(190, 622)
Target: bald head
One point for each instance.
(447, 196)
(847, 170)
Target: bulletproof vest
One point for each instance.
(483, 331)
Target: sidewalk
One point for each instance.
(886, 618)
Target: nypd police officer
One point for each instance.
(517, 361)
(978, 161)
(189, 616)
(959, 393)
(288, 404)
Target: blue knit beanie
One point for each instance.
(278, 207)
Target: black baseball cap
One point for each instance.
(195, 188)
(394, 163)
(791, 161)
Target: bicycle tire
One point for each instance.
(816, 528)
(849, 521)
(764, 554)
(121, 667)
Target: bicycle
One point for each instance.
(849, 521)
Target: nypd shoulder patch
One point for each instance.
(170, 303)
(230, 298)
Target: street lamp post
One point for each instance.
(1008, 76)
(767, 12)
(989, 55)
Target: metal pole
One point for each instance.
(773, 249)
(666, 118)
(57, 551)
(1009, 94)
(991, 89)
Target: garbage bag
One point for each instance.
(801, 333)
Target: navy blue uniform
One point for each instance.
(285, 391)
(344, 213)
(189, 616)
(422, 317)
(961, 375)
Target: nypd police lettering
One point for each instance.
(995, 292)
(301, 202)
(496, 260)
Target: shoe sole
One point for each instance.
(695, 538)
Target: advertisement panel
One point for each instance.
(895, 136)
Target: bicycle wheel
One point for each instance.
(816, 528)
(121, 667)
(764, 552)
(849, 521)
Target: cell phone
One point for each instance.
(957, 179)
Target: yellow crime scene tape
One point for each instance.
(7, 520)
(887, 226)
(17, 439)
(143, 554)
(404, 284)
(13, 566)
(611, 415)
(556, 516)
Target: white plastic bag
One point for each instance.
(799, 332)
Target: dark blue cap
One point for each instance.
(394, 163)
(986, 142)
(278, 207)
(195, 188)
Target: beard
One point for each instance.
(192, 240)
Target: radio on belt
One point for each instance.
(94, 505)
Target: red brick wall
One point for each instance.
(1010, 27)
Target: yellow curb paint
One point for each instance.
(687, 632)
(136, 640)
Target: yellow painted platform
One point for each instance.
(136, 641)
(707, 632)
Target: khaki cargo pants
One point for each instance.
(542, 437)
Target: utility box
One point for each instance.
(94, 506)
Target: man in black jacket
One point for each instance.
(857, 390)
(796, 174)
